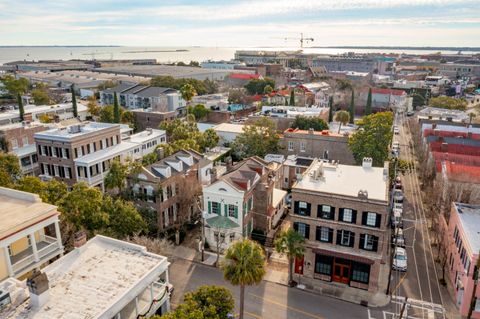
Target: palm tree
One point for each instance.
(292, 244)
(343, 117)
(244, 265)
(188, 92)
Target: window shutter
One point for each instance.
(309, 208)
(295, 207)
(319, 211)
(340, 214)
(318, 233)
(375, 243)
(226, 210)
(378, 220)
(354, 217)
(236, 211)
(339, 237)
(362, 241)
(352, 239)
(307, 231)
(295, 226)
(244, 208)
(330, 235)
(364, 218)
(209, 207)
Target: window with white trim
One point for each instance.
(290, 145)
(303, 146)
(324, 234)
(368, 243)
(371, 219)
(347, 215)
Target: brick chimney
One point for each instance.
(79, 239)
(38, 287)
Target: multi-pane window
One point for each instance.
(324, 234)
(360, 272)
(347, 215)
(323, 264)
(302, 228)
(368, 242)
(216, 208)
(232, 211)
(303, 146)
(326, 212)
(302, 208)
(371, 219)
(345, 238)
(290, 146)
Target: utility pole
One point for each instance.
(474, 292)
(403, 307)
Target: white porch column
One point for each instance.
(166, 276)
(151, 293)
(58, 234)
(8, 261)
(34, 246)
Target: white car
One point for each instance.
(396, 130)
(398, 196)
(396, 145)
(400, 259)
(398, 238)
(397, 218)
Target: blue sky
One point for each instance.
(240, 23)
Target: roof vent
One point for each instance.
(367, 162)
(363, 194)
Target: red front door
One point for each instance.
(299, 265)
(341, 273)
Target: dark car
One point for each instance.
(410, 113)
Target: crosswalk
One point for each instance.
(412, 309)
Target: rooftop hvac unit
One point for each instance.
(5, 299)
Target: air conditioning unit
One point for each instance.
(5, 299)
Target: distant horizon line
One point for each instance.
(429, 48)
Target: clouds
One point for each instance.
(238, 23)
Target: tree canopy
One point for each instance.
(207, 302)
(342, 117)
(373, 138)
(306, 123)
(106, 114)
(15, 86)
(259, 138)
(199, 111)
(201, 87)
(9, 169)
(188, 92)
(185, 134)
(368, 107)
(292, 244)
(446, 102)
(40, 94)
(257, 86)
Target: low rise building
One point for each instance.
(342, 211)
(323, 145)
(85, 152)
(29, 233)
(105, 278)
(227, 132)
(137, 96)
(462, 246)
(385, 98)
(18, 139)
(221, 65)
(438, 114)
(170, 187)
(148, 118)
(239, 201)
(56, 112)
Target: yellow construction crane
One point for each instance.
(302, 39)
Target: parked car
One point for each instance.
(396, 145)
(396, 130)
(398, 196)
(398, 206)
(400, 259)
(398, 237)
(397, 219)
(410, 113)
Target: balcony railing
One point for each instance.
(46, 249)
(160, 295)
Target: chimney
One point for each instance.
(160, 153)
(213, 175)
(38, 287)
(367, 162)
(229, 162)
(79, 239)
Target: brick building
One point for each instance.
(170, 186)
(151, 119)
(18, 139)
(342, 211)
(85, 152)
(324, 145)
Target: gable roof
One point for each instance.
(170, 161)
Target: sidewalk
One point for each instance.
(277, 272)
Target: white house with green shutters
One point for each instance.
(228, 205)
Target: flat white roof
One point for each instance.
(25, 150)
(345, 180)
(92, 279)
(146, 135)
(469, 216)
(37, 109)
(228, 127)
(107, 153)
(69, 132)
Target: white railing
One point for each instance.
(23, 263)
(159, 295)
(30, 259)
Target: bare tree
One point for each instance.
(188, 191)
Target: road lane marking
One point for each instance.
(252, 315)
(288, 307)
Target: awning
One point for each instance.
(359, 259)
